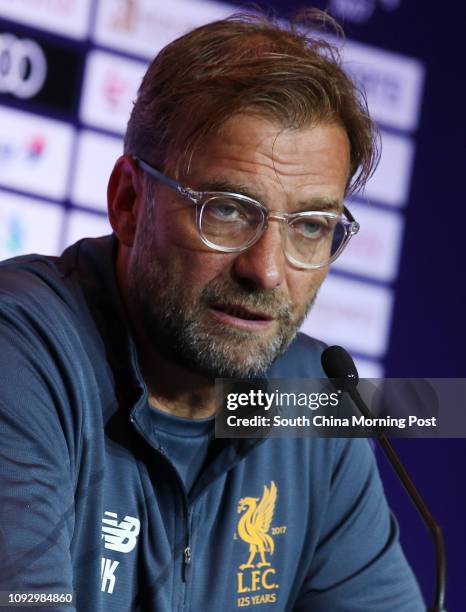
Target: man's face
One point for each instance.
(232, 314)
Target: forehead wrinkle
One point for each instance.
(227, 183)
(322, 203)
(250, 166)
(273, 160)
(258, 164)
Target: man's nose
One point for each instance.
(263, 264)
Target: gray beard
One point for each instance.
(181, 329)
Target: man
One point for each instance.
(227, 209)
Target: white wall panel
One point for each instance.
(353, 314)
(96, 156)
(81, 224)
(391, 181)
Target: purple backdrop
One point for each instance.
(428, 329)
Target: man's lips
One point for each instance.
(241, 316)
(242, 312)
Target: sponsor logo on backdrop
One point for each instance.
(143, 27)
(23, 67)
(28, 225)
(30, 150)
(14, 234)
(360, 11)
(393, 83)
(126, 15)
(114, 89)
(34, 153)
(110, 85)
(65, 17)
(40, 71)
(375, 250)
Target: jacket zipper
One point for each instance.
(187, 550)
(187, 558)
(186, 561)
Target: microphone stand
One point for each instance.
(432, 526)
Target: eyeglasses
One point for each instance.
(231, 223)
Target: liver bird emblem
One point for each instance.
(255, 523)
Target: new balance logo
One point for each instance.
(120, 536)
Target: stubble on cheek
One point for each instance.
(175, 319)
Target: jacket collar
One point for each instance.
(91, 262)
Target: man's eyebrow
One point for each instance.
(321, 203)
(223, 185)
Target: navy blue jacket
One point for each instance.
(89, 503)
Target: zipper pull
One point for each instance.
(187, 562)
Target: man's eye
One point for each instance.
(311, 228)
(224, 212)
(315, 228)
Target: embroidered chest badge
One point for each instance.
(257, 576)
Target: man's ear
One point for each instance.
(125, 199)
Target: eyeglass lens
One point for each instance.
(230, 223)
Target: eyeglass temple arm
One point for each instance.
(348, 214)
(355, 227)
(159, 176)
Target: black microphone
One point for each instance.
(338, 364)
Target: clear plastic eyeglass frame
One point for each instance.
(201, 198)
